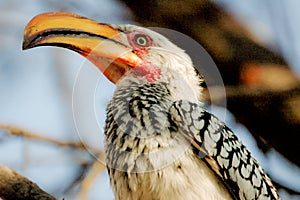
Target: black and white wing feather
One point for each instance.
(223, 152)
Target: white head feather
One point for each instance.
(176, 66)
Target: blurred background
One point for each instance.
(255, 44)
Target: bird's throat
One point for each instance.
(150, 72)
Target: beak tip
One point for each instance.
(29, 40)
(25, 46)
(26, 39)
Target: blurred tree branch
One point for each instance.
(96, 168)
(25, 189)
(77, 145)
(13, 186)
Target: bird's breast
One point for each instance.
(186, 177)
(139, 129)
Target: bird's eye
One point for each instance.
(141, 40)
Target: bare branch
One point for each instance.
(77, 145)
(7, 175)
(16, 187)
(88, 181)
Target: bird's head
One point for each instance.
(121, 52)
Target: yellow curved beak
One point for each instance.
(100, 43)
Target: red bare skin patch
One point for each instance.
(140, 42)
(147, 70)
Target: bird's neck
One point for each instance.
(179, 84)
(182, 87)
(176, 72)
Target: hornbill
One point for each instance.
(160, 142)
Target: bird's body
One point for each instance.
(147, 157)
(160, 142)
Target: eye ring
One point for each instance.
(141, 40)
